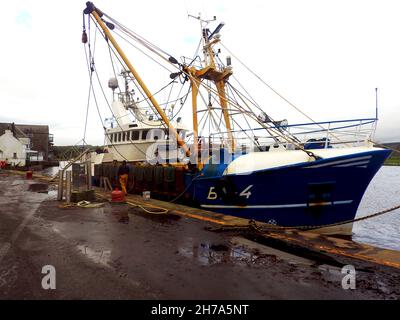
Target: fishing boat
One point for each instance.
(237, 160)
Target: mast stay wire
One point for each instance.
(151, 47)
(109, 107)
(250, 99)
(139, 38)
(276, 92)
(146, 54)
(92, 69)
(269, 86)
(248, 124)
(91, 88)
(90, 83)
(267, 129)
(146, 98)
(139, 89)
(123, 66)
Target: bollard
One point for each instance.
(60, 185)
(117, 196)
(68, 186)
(146, 195)
(89, 174)
(29, 174)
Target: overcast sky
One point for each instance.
(327, 57)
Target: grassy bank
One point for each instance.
(394, 159)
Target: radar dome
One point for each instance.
(113, 83)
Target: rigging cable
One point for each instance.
(148, 44)
(269, 86)
(92, 69)
(278, 94)
(146, 98)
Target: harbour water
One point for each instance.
(382, 193)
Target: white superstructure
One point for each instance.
(135, 128)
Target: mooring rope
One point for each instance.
(261, 229)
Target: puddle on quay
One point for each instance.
(38, 187)
(52, 193)
(43, 188)
(210, 253)
(120, 213)
(17, 182)
(102, 257)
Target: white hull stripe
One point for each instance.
(340, 162)
(353, 164)
(277, 206)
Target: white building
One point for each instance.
(13, 149)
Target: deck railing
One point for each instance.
(327, 134)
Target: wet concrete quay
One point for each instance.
(121, 252)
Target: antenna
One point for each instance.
(198, 17)
(217, 29)
(376, 103)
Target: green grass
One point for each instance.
(393, 160)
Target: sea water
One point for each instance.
(382, 193)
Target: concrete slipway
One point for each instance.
(123, 252)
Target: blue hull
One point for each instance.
(322, 192)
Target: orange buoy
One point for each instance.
(117, 196)
(29, 174)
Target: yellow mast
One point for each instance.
(210, 72)
(220, 84)
(95, 14)
(195, 84)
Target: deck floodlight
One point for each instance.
(174, 75)
(173, 60)
(217, 29)
(110, 25)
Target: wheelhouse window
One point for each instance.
(135, 135)
(144, 134)
(166, 134)
(182, 133)
(158, 134)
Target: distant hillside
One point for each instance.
(394, 145)
(394, 158)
